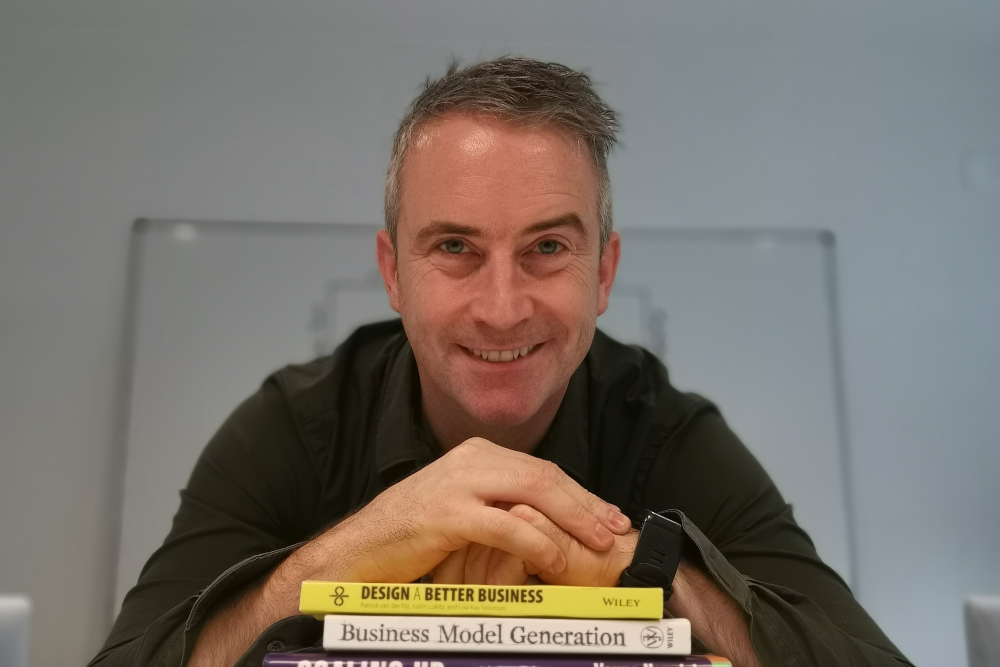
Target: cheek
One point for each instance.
(574, 294)
(427, 301)
(573, 306)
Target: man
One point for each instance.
(495, 435)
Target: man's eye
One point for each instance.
(453, 246)
(549, 247)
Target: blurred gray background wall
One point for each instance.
(877, 120)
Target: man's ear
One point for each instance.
(385, 255)
(607, 269)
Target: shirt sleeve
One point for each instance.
(243, 504)
(800, 612)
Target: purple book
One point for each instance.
(480, 660)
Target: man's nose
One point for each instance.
(501, 299)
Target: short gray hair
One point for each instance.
(520, 91)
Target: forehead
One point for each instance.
(479, 170)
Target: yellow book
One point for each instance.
(319, 598)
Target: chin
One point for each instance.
(503, 410)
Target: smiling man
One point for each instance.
(496, 266)
(494, 435)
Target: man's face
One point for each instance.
(497, 255)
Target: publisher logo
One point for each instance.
(651, 637)
(339, 595)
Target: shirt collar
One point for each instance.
(401, 446)
(567, 444)
(398, 436)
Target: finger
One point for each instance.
(537, 485)
(496, 528)
(540, 521)
(452, 569)
(608, 514)
(506, 569)
(548, 489)
(535, 475)
(544, 525)
(569, 546)
(546, 473)
(478, 563)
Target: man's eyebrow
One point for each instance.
(567, 220)
(444, 228)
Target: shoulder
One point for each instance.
(306, 400)
(284, 436)
(631, 378)
(635, 413)
(340, 380)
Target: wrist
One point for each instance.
(281, 589)
(323, 558)
(624, 551)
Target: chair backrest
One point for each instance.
(982, 630)
(15, 620)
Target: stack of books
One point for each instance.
(433, 625)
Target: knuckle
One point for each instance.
(594, 503)
(532, 481)
(473, 445)
(583, 514)
(463, 450)
(541, 478)
(513, 478)
(552, 474)
(505, 527)
(523, 512)
(469, 453)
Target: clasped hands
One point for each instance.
(484, 514)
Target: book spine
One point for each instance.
(319, 598)
(668, 636)
(446, 660)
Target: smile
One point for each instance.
(501, 355)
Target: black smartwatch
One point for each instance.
(658, 553)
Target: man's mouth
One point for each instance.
(501, 355)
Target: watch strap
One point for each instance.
(657, 553)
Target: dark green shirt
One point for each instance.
(320, 440)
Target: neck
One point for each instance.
(452, 426)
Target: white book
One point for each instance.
(668, 636)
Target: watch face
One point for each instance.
(663, 518)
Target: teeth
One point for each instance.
(502, 355)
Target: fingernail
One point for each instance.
(620, 521)
(603, 534)
(560, 564)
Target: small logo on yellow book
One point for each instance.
(338, 596)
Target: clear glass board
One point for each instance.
(745, 318)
